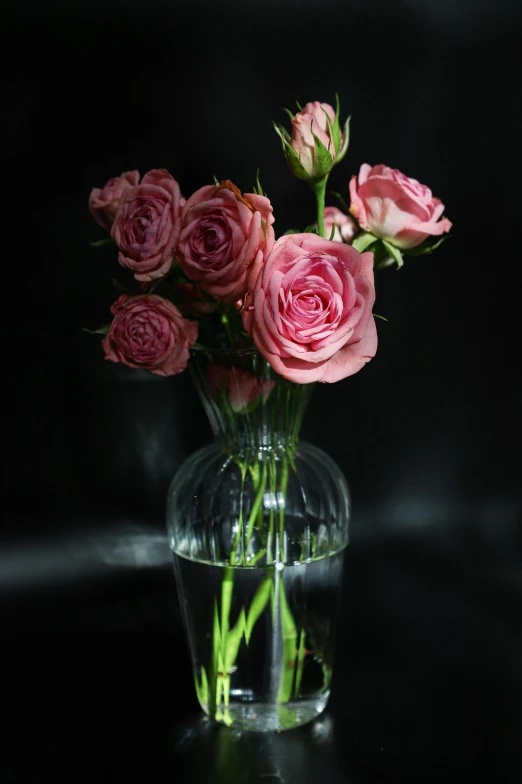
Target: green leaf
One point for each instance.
(386, 261)
(426, 247)
(332, 232)
(216, 181)
(299, 106)
(289, 113)
(312, 229)
(333, 132)
(362, 241)
(376, 315)
(346, 141)
(282, 133)
(260, 192)
(100, 331)
(295, 165)
(323, 162)
(394, 252)
(293, 231)
(104, 241)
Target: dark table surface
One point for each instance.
(97, 682)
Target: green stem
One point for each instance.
(226, 602)
(289, 633)
(319, 188)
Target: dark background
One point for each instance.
(96, 674)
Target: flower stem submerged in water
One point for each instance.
(261, 639)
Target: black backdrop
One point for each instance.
(428, 434)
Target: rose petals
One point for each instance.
(149, 332)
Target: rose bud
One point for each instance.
(316, 142)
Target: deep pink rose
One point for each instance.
(312, 309)
(146, 227)
(394, 207)
(104, 202)
(240, 387)
(345, 228)
(223, 234)
(149, 332)
(312, 118)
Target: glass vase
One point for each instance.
(257, 524)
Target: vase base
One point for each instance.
(266, 717)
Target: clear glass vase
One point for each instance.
(257, 524)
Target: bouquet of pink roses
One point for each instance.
(258, 521)
(212, 273)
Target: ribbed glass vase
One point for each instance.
(257, 524)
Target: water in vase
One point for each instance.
(261, 639)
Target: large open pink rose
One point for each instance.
(310, 313)
(149, 332)
(223, 233)
(394, 207)
(146, 227)
(104, 202)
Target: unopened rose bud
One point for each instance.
(316, 143)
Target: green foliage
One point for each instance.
(394, 253)
(427, 247)
(100, 331)
(104, 241)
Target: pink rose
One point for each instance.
(146, 227)
(240, 387)
(149, 332)
(312, 309)
(394, 207)
(312, 118)
(345, 228)
(104, 202)
(222, 235)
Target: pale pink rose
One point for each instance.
(240, 387)
(345, 228)
(311, 316)
(149, 332)
(146, 227)
(394, 207)
(312, 118)
(104, 202)
(223, 233)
